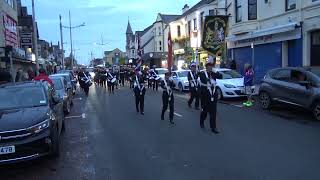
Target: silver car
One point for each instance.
(65, 92)
(180, 79)
(294, 86)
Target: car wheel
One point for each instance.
(265, 100)
(55, 150)
(316, 110)
(219, 93)
(180, 88)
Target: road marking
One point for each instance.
(73, 117)
(179, 115)
(77, 99)
(83, 115)
(236, 105)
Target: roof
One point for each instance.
(129, 29)
(107, 52)
(146, 30)
(21, 84)
(195, 7)
(166, 18)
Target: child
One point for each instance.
(248, 82)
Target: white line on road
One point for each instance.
(83, 115)
(77, 99)
(179, 115)
(73, 117)
(236, 105)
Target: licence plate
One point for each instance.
(7, 150)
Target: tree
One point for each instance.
(122, 61)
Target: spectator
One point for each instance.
(248, 82)
(43, 76)
(31, 74)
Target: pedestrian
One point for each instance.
(167, 96)
(248, 82)
(31, 74)
(42, 76)
(84, 80)
(110, 81)
(139, 92)
(104, 78)
(122, 76)
(193, 86)
(209, 95)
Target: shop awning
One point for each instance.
(265, 32)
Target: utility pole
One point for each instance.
(70, 28)
(61, 34)
(35, 37)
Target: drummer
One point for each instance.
(110, 81)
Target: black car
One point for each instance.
(293, 86)
(31, 121)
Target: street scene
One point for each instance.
(193, 89)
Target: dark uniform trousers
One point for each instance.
(166, 103)
(210, 107)
(194, 95)
(139, 99)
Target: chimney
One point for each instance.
(185, 8)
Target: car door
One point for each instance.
(280, 85)
(299, 94)
(175, 79)
(57, 108)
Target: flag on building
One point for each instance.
(139, 54)
(170, 54)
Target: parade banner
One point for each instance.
(214, 33)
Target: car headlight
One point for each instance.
(229, 86)
(39, 127)
(185, 82)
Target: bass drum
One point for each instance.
(113, 80)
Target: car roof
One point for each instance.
(161, 69)
(56, 77)
(221, 69)
(181, 70)
(23, 84)
(60, 74)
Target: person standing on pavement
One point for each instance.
(248, 83)
(42, 76)
(167, 96)
(209, 95)
(139, 91)
(193, 86)
(122, 75)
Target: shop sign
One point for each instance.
(10, 31)
(214, 33)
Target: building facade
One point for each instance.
(114, 57)
(8, 23)
(270, 34)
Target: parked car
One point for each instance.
(231, 85)
(161, 72)
(292, 86)
(70, 72)
(61, 87)
(70, 82)
(31, 121)
(180, 79)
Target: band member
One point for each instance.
(167, 96)
(154, 78)
(209, 95)
(103, 77)
(131, 77)
(122, 75)
(193, 86)
(84, 80)
(110, 81)
(139, 91)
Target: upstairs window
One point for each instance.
(252, 9)
(201, 19)
(189, 28)
(195, 24)
(179, 31)
(291, 4)
(238, 10)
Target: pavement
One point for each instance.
(106, 139)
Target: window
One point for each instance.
(238, 11)
(160, 43)
(282, 75)
(195, 24)
(290, 4)
(315, 38)
(252, 9)
(159, 31)
(298, 76)
(189, 28)
(179, 31)
(201, 19)
(132, 52)
(314, 0)
(11, 3)
(212, 12)
(160, 48)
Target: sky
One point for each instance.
(104, 19)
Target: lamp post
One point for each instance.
(70, 27)
(35, 37)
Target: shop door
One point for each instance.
(315, 48)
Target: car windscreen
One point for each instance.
(183, 74)
(162, 71)
(12, 98)
(57, 84)
(230, 74)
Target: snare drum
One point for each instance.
(157, 78)
(113, 80)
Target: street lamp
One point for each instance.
(70, 27)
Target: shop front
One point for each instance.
(267, 49)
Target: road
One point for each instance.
(106, 139)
